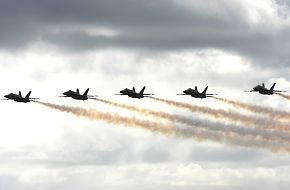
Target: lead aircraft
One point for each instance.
(263, 90)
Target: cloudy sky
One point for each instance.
(166, 45)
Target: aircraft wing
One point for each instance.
(63, 96)
(182, 94)
(249, 91)
(120, 94)
(279, 91)
(211, 94)
(148, 94)
(5, 99)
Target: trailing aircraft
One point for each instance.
(77, 96)
(133, 94)
(18, 97)
(194, 93)
(263, 90)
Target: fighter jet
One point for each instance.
(133, 94)
(263, 90)
(194, 93)
(77, 96)
(18, 97)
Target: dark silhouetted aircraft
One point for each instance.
(194, 93)
(263, 90)
(18, 97)
(77, 96)
(133, 94)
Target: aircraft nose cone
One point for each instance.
(6, 96)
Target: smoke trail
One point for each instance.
(285, 96)
(228, 138)
(239, 130)
(278, 114)
(251, 121)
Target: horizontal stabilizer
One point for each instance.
(92, 95)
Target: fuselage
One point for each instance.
(263, 90)
(17, 98)
(194, 93)
(75, 95)
(131, 93)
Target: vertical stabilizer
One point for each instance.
(78, 91)
(204, 91)
(141, 92)
(272, 87)
(20, 94)
(196, 89)
(28, 94)
(134, 89)
(86, 92)
(263, 85)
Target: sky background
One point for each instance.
(166, 45)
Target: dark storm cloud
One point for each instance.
(146, 24)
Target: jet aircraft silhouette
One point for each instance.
(263, 90)
(133, 94)
(19, 98)
(77, 96)
(194, 93)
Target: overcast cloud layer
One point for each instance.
(255, 29)
(107, 45)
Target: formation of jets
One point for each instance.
(133, 94)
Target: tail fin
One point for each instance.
(141, 92)
(134, 89)
(196, 89)
(20, 94)
(263, 85)
(204, 91)
(272, 88)
(28, 94)
(86, 92)
(78, 91)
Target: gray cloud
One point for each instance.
(148, 25)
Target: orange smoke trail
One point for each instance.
(239, 130)
(251, 121)
(218, 136)
(278, 114)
